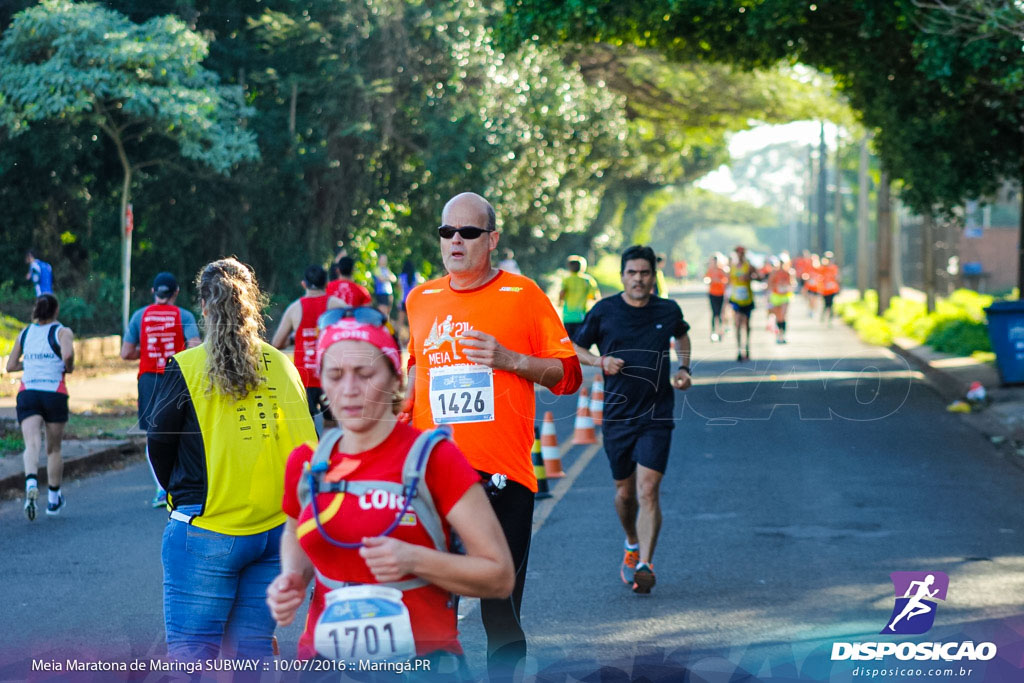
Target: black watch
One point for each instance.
(687, 368)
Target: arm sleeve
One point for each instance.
(449, 476)
(134, 331)
(189, 328)
(572, 377)
(587, 335)
(680, 326)
(169, 407)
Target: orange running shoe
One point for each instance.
(629, 566)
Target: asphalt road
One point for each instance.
(797, 483)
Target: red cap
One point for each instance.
(350, 330)
(740, 247)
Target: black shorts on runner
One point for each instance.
(828, 299)
(628, 446)
(716, 304)
(743, 309)
(149, 382)
(383, 300)
(50, 405)
(316, 399)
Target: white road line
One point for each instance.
(544, 507)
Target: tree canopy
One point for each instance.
(946, 105)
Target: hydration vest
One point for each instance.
(413, 488)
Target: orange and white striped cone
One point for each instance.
(549, 447)
(597, 401)
(583, 432)
(538, 468)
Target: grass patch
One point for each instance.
(99, 426)
(11, 443)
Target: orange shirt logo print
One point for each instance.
(448, 332)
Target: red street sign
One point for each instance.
(129, 220)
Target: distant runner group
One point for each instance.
(817, 277)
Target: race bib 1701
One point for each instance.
(462, 393)
(364, 623)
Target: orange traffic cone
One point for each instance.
(549, 447)
(583, 434)
(538, 468)
(597, 401)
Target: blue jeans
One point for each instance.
(215, 590)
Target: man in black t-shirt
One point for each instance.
(632, 330)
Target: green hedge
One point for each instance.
(957, 326)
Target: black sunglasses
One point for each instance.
(468, 233)
(364, 315)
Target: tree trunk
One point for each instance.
(292, 104)
(928, 259)
(884, 244)
(896, 262)
(863, 262)
(126, 251)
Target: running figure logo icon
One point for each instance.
(916, 595)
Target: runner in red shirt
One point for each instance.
(300, 320)
(155, 333)
(343, 287)
(361, 373)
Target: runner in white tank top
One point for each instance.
(45, 351)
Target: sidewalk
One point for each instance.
(80, 458)
(84, 456)
(88, 393)
(1002, 421)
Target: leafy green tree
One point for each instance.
(946, 105)
(142, 85)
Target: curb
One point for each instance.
(948, 386)
(951, 388)
(117, 456)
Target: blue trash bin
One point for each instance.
(1006, 331)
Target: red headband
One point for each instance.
(350, 330)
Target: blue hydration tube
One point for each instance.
(410, 491)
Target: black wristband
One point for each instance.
(687, 368)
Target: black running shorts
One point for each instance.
(742, 309)
(52, 406)
(628, 446)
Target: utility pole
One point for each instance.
(822, 191)
(884, 243)
(863, 262)
(811, 240)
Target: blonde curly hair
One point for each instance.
(233, 321)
